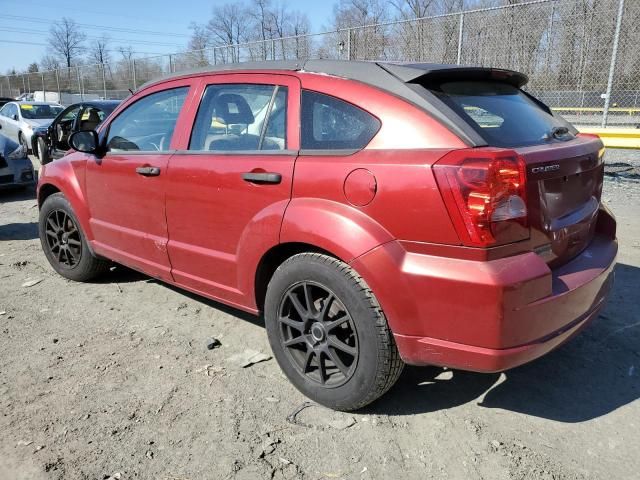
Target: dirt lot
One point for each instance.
(113, 380)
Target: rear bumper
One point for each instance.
(431, 351)
(487, 316)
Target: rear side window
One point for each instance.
(332, 124)
(501, 113)
(148, 124)
(241, 117)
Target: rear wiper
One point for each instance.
(558, 133)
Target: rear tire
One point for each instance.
(64, 243)
(329, 333)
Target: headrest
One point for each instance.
(233, 108)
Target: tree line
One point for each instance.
(563, 44)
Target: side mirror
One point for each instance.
(15, 117)
(85, 141)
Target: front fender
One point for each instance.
(343, 230)
(68, 177)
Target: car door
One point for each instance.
(230, 181)
(4, 115)
(61, 129)
(10, 124)
(125, 188)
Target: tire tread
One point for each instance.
(389, 361)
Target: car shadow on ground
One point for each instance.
(19, 231)
(17, 195)
(592, 375)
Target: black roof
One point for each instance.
(398, 78)
(362, 71)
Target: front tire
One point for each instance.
(64, 243)
(329, 333)
(43, 152)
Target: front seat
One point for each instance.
(92, 122)
(233, 109)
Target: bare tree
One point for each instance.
(227, 26)
(99, 50)
(49, 62)
(126, 52)
(66, 40)
(200, 40)
(365, 43)
(33, 68)
(300, 25)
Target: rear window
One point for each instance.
(501, 113)
(332, 124)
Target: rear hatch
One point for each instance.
(564, 170)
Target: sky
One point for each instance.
(150, 27)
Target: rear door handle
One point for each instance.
(148, 171)
(259, 177)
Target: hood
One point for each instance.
(38, 122)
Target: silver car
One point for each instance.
(18, 119)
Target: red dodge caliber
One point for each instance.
(377, 214)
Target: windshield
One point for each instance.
(39, 112)
(502, 114)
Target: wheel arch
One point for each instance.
(46, 190)
(62, 177)
(272, 259)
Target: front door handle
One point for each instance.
(148, 171)
(262, 177)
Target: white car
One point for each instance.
(19, 119)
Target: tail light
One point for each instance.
(484, 192)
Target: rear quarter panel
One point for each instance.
(406, 203)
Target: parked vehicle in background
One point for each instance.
(16, 170)
(51, 141)
(5, 100)
(18, 119)
(438, 214)
(63, 98)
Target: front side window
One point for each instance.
(241, 117)
(4, 111)
(329, 123)
(70, 114)
(148, 124)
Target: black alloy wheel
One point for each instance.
(318, 333)
(63, 239)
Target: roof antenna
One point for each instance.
(130, 91)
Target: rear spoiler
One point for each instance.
(422, 73)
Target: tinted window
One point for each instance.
(329, 123)
(241, 117)
(502, 114)
(148, 124)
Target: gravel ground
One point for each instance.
(113, 380)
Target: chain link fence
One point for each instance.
(581, 55)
